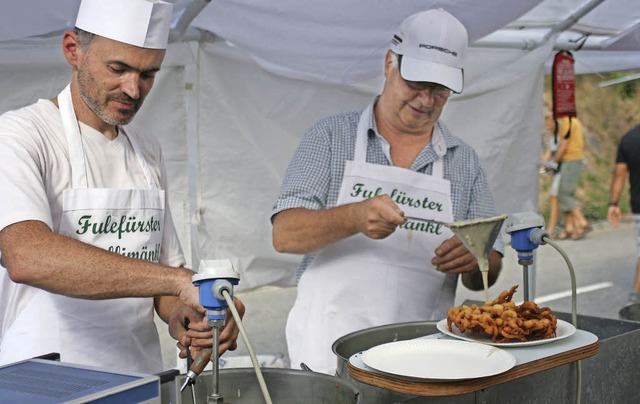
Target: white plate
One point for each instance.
(438, 360)
(563, 330)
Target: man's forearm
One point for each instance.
(302, 231)
(35, 256)
(618, 181)
(560, 152)
(164, 305)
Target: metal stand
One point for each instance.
(525, 272)
(520, 226)
(215, 397)
(214, 278)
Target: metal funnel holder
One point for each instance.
(478, 235)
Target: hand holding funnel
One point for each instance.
(478, 235)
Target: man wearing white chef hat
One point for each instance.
(86, 235)
(360, 189)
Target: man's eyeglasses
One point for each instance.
(437, 90)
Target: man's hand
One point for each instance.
(614, 215)
(189, 294)
(303, 231)
(378, 217)
(550, 164)
(618, 181)
(229, 334)
(198, 335)
(182, 321)
(452, 257)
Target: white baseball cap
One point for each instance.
(433, 45)
(143, 23)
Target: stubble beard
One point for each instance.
(86, 84)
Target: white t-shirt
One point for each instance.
(35, 170)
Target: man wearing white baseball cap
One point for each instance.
(87, 244)
(365, 193)
(433, 47)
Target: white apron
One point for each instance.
(117, 334)
(359, 282)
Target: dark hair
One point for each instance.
(84, 38)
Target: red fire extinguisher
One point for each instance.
(563, 81)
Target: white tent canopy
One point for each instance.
(243, 80)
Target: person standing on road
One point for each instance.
(360, 190)
(550, 166)
(569, 157)
(87, 245)
(627, 164)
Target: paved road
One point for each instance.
(604, 264)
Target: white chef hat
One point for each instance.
(143, 23)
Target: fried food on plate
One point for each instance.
(503, 320)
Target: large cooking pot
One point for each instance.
(630, 312)
(285, 386)
(350, 344)
(344, 347)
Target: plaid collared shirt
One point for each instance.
(314, 175)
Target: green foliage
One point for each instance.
(629, 90)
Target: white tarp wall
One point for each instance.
(229, 118)
(228, 129)
(250, 122)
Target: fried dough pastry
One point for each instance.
(503, 320)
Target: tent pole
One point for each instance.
(532, 43)
(188, 15)
(572, 19)
(193, 157)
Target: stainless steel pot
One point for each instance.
(344, 347)
(285, 386)
(359, 341)
(630, 312)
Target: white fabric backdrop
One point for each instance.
(228, 129)
(334, 40)
(250, 121)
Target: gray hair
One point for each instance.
(84, 38)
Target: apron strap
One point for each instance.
(440, 147)
(76, 151)
(72, 132)
(362, 136)
(360, 152)
(152, 181)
